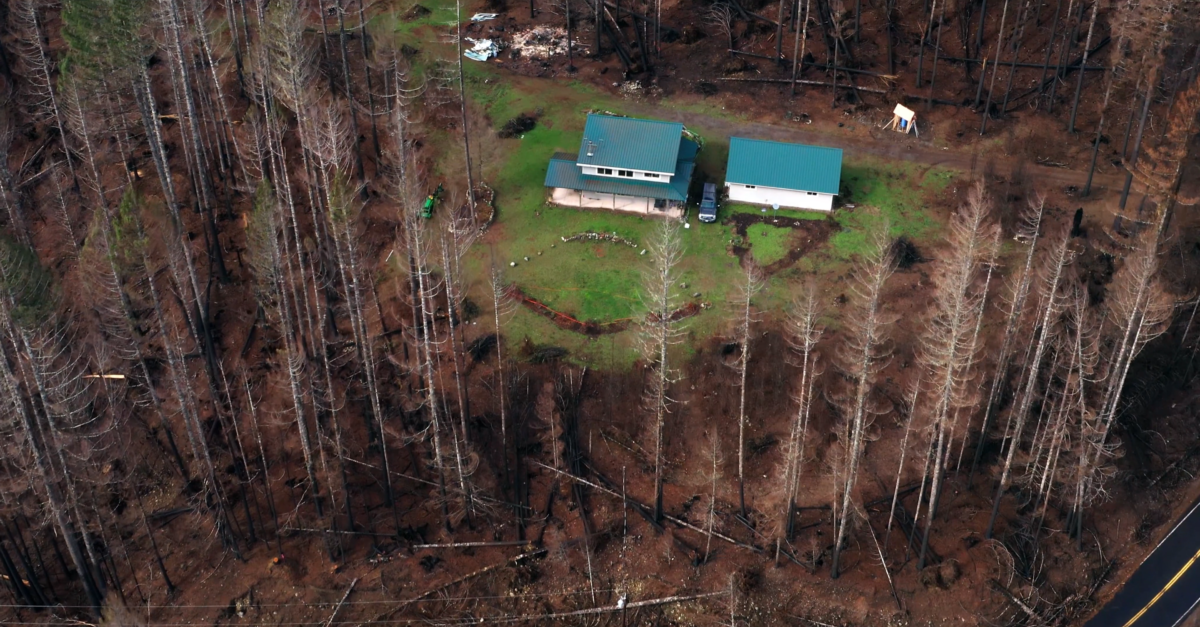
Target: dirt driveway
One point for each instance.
(881, 144)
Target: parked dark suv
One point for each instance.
(708, 203)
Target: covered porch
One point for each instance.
(657, 207)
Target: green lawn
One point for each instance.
(895, 192)
(601, 281)
(768, 243)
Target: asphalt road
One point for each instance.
(1165, 589)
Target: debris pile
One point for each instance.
(631, 89)
(482, 49)
(594, 236)
(485, 206)
(541, 42)
(518, 126)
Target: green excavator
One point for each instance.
(430, 201)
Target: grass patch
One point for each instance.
(441, 14)
(897, 193)
(768, 244)
(600, 281)
(526, 329)
(597, 281)
(704, 106)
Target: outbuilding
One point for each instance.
(770, 173)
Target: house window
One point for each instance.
(750, 187)
(812, 193)
(650, 175)
(607, 171)
(626, 173)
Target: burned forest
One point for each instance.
(310, 314)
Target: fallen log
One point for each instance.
(883, 562)
(1063, 71)
(642, 510)
(618, 39)
(750, 14)
(887, 497)
(167, 515)
(788, 81)
(622, 607)
(786, 553)
(672, 519)
(1029, 611)
(1090, 68)
(468, 545)
(338, 532)
(872, 90)
(823, 66)
(467, 577)
(329, 622)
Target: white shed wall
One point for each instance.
(789, 198)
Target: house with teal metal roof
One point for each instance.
(625, 164)
(786, 175)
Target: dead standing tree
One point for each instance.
(114, 257)
(1162, 169)
(462, 96)
(995, 67)
(453, 246)
(18, 226)
(861, 357)
(1028, 231)
(27, 304)
(274, 276)
(343, 213)
(109, 48)
(948, 345)
(713, 472)
(1052, 296)
(720, 15)
(328, 143)
(1115, 74)
(1139, 310)
(196, 149)
(502, 307)
(752, 283)
(456, 240)
(39, 69)
(429, 354)
(1087, 45)
(800, 43)
(804, 331)
(660, 329)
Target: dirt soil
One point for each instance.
(808, 235)
(547, 545)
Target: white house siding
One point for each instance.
(638, 175)
(759, 195)
(594, 200)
